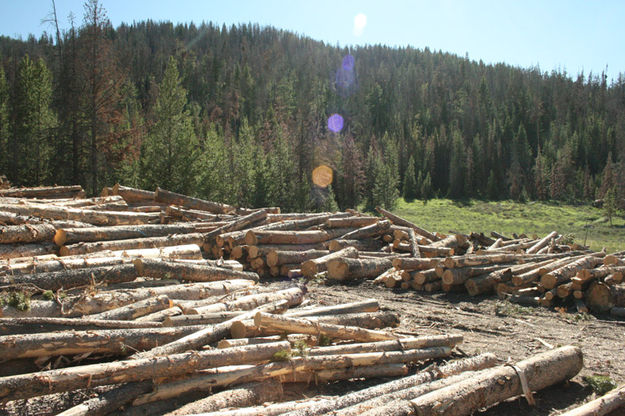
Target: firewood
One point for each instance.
(498, 384)
(350, 269)
(192, 272)
(68, 379)
(103, 341)
(173, 198)
(456, 367)
(312, 266)
(287, 368)
(306, 326)
(400, 221)
(240, 396)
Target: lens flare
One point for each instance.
(335, 123)
(348, 63)
(322, 176)
(360, 21)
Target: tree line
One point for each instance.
(240, 114)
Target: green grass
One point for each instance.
(585, 222)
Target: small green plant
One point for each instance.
(584, 316)
(18, 300)
(324, 340)
(511, 309)
(301, 348)
(282, 355)
(600, 384)
(48, 295)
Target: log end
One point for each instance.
(309, 268)
(548, 281)
(60, 237)
(138, 263)
(272, 258)
(337, 269)
(250, 238)
(64, 251)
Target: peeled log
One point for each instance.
(26, 233)
(352, 269)
(306, 326)
(173, 198)
(244, 395)
(500, 383)
(185, 271)
(313, 266)
(67, 379)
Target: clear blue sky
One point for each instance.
(571, 35)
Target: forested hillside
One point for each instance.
(244, 114)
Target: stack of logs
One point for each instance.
(111, 304)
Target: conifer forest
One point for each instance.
(245, 114)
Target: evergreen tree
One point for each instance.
(492, 189)
(33, 125)
(457, 167)
(171, 150)
(4, 122)
(608, 177)
(609, 204)
(426, 188)
(541, 187)
(410, 184)
(351, 176)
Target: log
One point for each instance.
(350, 222)
(54, 381)
(111, 341)
(311, 267)
(44, 192)
(133, 243)
(188, 202)
(460, 275)
(29, 325)
(618, 312)
(191, 214)
(15, 251)
(253, 237)
(26, 233)
(292, 296)
(84, 215)
(361, 245)
(238, 224)
(291, 367)
(368, 231)
(424, 376)
(532, 275)
(399, 344)
(352, 269)
(369, 305)
(244, 395)
(133, 195)
(109, 401)
(410, 264)
(400, 221)
(122, 232)
(431, 251)
(264, 250)
(137, 309)
(603, 405)
(564, 273)
(543, 242)
(453, 241)
(306, 326)
(369, 372)
(310, 340)
(601, 297)
(198, 273)
(79, 277)
(498, 384)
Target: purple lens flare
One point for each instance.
(335, 123)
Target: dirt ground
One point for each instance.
(508, 331)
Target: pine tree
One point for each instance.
(4, 122)
(541, 188)
(410, 184)
(171, 150)
(34, 122)
(491, 187)
(351, 176)
(457, 167)
(608, 177)
(609, 204)
(426, 188)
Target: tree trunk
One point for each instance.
(564, 273)
(292, 296)
(369, 305)
(263, 250)
(542, 243)
(184, 201)
(192, 215)
(460, 275)
(410, 264)
(26, 233)
(313, 266)
(124, 232)
(15, 251)
(109, 401)
(132, 195)
(133, 243)
(351, 269)
(400, 344)
(45, 192)
(360, 245)
(253, 238)
(137, 309)
(192, 272)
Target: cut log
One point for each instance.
(192, 214)
(564, 273)
(468, 364)
(618, 312)
(192, 272)
(313, 266)
(26, 233)
(79, 277)
(601, 297)
(278, 258)
(369, 372)
(410, 264)
(264, 250)
(30, 325)
(306, 326)
(603, 405)
(543, 242)
(238, 224)
(53, 381)
(369, 305)
(132, 195)
(173, 198)
(253, 238)
(500, 383)
(352, 269)
(360, 245)
(292, 296)
(460, 275)
(368, 231)
(400, 221)
(400, 344)
(44, 192)
(15, 251)
(109, 401)
(137, 309)
(133, 243)
(535, 273)
(350, 222)
(430, 251)
(112, 341)
(245, 395)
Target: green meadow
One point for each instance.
(586, 224)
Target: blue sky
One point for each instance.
(571, 35)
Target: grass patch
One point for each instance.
(503, 308)
(582, 223)
(599, 384)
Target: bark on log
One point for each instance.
(603, 405)
(292, 296)
(399, 344)
(369, 305)
(112, 341)
(263, 250)
(173, 198)
(313, 266)
(500, 383)
(601, 297)
(30, 325)
(460, 275)
(123, 232)
(79, 277)
(535, 273)
(350, 222)
(185, 271)
(278, 258)
(137, 309)
(244, 395)
(542, 242)
(306, 326)
(238, 224)
(15, 251)
(109, 401)
(26, 233)
(192, 214)
(360, 245)
(564, 273)
(253, 237)
(447, 370)
(410, 264)
(400, 221)
(53, 381)
(351, 269)
(45, 192)
(132, 195)
(133, 243)
(430, 251)
(326, 376)
(368, 231)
